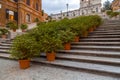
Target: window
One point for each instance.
(27, 18)
(14, 0)
(28, 2)
(10, 14)
(37, 6)
(96, 9)
(0, 6)
(82, 12)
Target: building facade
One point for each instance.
(116, 5)
(90, 6)
(87, 7)
(21, 11)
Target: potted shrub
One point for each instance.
(48, 39)
(24, 48)
(114, 14)
(67, 37)
(76, 29)
(3, 32)
(109, 12)
(23, 27)
(12, 25)
(50, 44)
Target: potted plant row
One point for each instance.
(52, 36)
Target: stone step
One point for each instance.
(3, 55)
(110, 31)
(102, 29)
(99, 48)
(99, 68)
(118, 28)
(108, 38)
(103, 36)
(85, 66)
(4, 47)
(5, 44)
(100, 40)
(4, 51)
(92, 53)
(90, 59)
(8, 42)
(97, 43)
(109, 26)
(112, 21)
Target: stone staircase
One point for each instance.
(99, 53)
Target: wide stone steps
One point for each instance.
(86, 66)
(97, 43)
(101, 68)
(100, 40)
(99, 48)
(111, 33)
(5, 44)
(106, 31)
(103, 29)
(90, 59)
(99, 52)
(103, 36)
(92, 53)
(6, 51)
(109, 27)
(4, 47)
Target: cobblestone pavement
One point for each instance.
(9, 70)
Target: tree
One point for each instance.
(107, 5)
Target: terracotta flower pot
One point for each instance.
(14, 30)
(85, 34)
(51, 56)
(94, 27)
(67, 46)
(91, 29)
(76, 39)
(23, 30)
(4, 36)
(24, 64)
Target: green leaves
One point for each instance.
(24, 47)
(3, 31)
(24, 26)
(51, 36)
(12, 25)
(112, 14)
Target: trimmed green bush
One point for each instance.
(3, 31)
(24, 47)
(12, 25)
(24, 26)
(112, 14)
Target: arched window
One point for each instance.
(37, 8)
(28, 2)
(27, 18)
